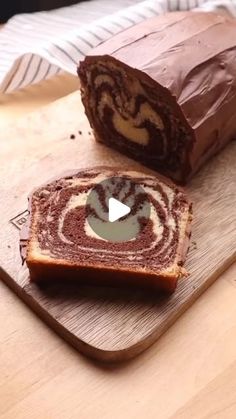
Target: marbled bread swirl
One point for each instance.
(62, 245)
(164, 91)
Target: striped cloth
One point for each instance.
(39, 45)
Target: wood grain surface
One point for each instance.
(103, 323)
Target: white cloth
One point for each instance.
(39, 45)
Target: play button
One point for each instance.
(117, 209)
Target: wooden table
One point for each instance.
(189, 373)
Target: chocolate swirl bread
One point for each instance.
(62, 245)
(164, 91)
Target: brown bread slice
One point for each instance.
(61, 244)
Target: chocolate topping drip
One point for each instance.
(165, 90)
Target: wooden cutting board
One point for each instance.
(106, 324)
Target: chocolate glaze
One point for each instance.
(186, 60)
(50, 200)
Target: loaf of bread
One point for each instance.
(164, 91)
(60, 243)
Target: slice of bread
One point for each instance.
(61, 243)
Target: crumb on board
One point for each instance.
(72, 136)
(80, 132)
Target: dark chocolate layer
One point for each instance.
(182, 67)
